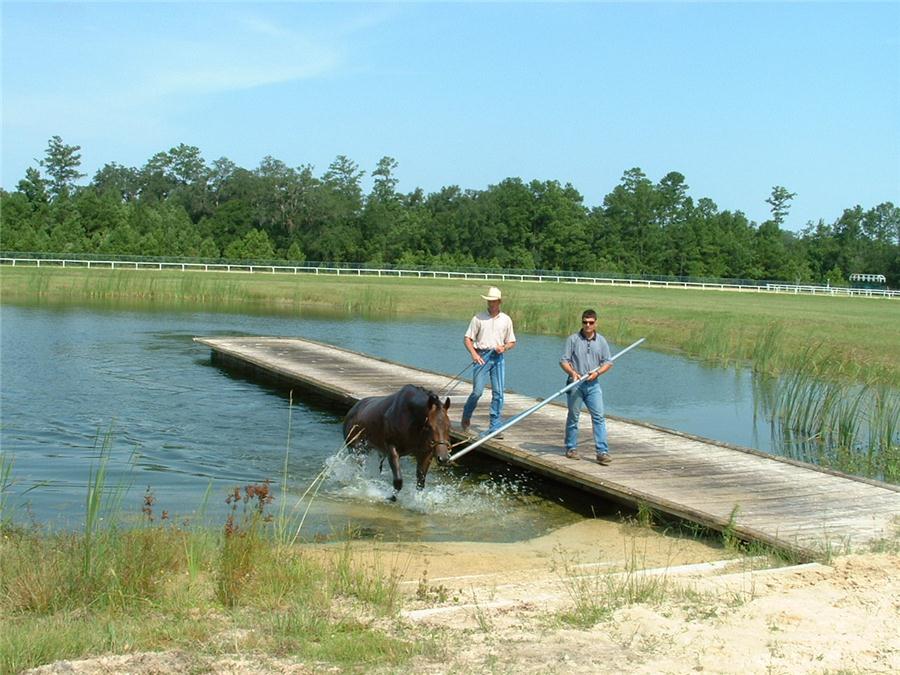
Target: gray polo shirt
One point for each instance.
(585, 355)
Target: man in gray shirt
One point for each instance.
(586, 351)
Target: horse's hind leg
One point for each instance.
(394, 459)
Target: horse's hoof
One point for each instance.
(392, 498)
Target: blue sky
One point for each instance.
(736, 96)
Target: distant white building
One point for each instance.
(868, 278)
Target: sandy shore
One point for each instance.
(498, 608)
(713, 616)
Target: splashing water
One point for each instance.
(354, 477)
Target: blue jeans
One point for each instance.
(592, 396)
(494, 368)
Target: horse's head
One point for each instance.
(437, 428)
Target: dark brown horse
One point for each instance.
(411, 421)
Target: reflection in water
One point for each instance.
(181, 425)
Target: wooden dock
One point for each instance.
(784, 503)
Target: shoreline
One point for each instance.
(768, 333)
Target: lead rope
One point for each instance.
(455, 382)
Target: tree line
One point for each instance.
(178, 204)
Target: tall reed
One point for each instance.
(281, 523)
(714, 341)
(195, 545)
(288, 523)
(242, 546)
(100, 503)
(850, 427)
(6, 466)
(766, 347)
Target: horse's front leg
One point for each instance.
(394, 460)
(422, 464)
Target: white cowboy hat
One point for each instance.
(493, 294)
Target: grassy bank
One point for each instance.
(855, 339)
(124, 585)
(163, 585)
(167, 588)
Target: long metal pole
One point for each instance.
(537, 406)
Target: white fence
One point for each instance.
(545, 277)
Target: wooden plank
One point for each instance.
(780, 501)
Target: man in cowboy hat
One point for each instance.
(489, 336)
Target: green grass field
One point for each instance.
(848, 339)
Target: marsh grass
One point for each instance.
(755, 553)
(376, 583)
(766, 347)
(836, 423)
(715, 341)
(99, 506)
(730, 540)
(646, 515)
(482, 618)
(202, 540)
(556, 319)
(890, 543)
(243, 537)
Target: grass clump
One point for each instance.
(242, 544)
(595, 597)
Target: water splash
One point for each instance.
(362, 478)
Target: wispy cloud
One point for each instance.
(233, 50)
(204, 68)
(263, 26)
(243, 50)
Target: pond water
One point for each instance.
(74, 378)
